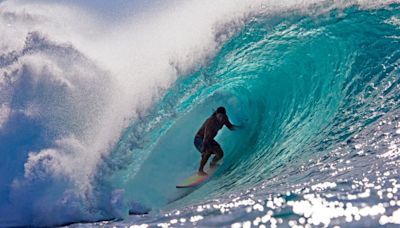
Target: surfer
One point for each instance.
(204, 139)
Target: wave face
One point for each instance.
(316, 89)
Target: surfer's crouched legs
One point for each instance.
(208, 148)
(219, 153)
(204, 158)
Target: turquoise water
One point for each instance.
(311, 92)
(316, 89)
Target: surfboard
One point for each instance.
(196, 179)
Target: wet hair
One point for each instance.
(221, 110)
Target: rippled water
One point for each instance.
(319, 98)
(354, 185)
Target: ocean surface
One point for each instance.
(97, 117)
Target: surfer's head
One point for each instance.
(220, 113)
(221, 110)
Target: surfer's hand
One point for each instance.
(237, 127)
(202, 173)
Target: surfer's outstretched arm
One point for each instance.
(229, 125)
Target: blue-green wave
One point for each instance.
(300, 85)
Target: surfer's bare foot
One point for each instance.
(202, 173)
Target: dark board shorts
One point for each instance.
(198, 143)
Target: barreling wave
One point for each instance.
(301, 86)
(301, 81)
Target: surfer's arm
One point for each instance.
(207, 137)
(229, 125)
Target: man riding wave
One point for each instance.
(204, 139)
